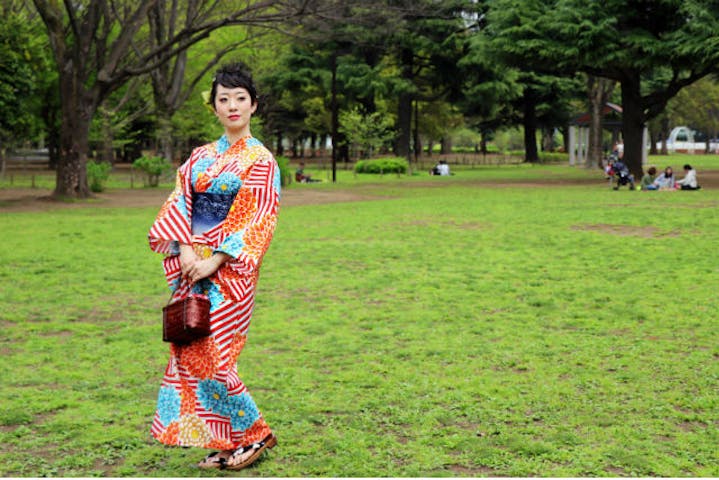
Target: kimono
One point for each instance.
(235, 190)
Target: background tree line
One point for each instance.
(107, 79)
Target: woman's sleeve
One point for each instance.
(251, 221)
(173, 223)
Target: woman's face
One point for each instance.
(234, 109)
(668, 171)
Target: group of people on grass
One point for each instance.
(667, 181)
(618, 172)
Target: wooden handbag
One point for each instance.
(186, 320)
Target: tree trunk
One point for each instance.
(633, 119)
(404, 122)
(335, 119)
(599, 90)
(548, 139)
(483, 143)
(77, 109)
(404, 109)
(417, 142)
(164, 134)
(565, 138)
(653, 140)
(49, 112)
(530, 128)
(280, 147)
(107, 152)
(2, 162)
(445, 145)
(430, 147)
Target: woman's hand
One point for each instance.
(205, 268)
(188, 258)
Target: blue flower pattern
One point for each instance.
(201, 165)
(182, 206)
(242, 411)
(277, 181)
(253, 142)
(222, 144)
(225, 183)
(207, 287)
(168, 405)
(233, 244)
(213, 396)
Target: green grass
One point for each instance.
(677, 160)
(452, 331)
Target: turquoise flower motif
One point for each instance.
(253, 142)
(233, 244)
(216, 297)
(242, 411)
(225, 183)
(168, 405)
(182, 206)
(200, 166)
(208, 288)
(277, 181)
(213, 396)
(223, 144)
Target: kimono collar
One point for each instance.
(223, 144)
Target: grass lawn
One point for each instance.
(459, 330)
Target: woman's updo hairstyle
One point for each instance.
(233, 75)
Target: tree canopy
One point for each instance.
(129, 76)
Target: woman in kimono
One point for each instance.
(214, 229)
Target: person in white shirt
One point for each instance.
(689, 182)
(440, 169)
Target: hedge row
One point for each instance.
(382, 165)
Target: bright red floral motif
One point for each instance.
(201, 358)
(241, 211)
(169, 436)
(257, 432)
(188, 398)
(258, 235)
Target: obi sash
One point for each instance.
(209, 210)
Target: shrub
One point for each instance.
(285, 170)
(544, 157)
(553, 157)
(382, 165)
(153, 167)
(97, 175)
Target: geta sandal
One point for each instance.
(270, 441)
(215, 459)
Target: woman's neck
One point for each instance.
(234, 136)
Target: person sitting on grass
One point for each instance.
(665, 180)
(689, 182)
(440, 169)
(301, 177)
(647, 182)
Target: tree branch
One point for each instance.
(70, 9)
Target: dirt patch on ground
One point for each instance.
(627, 230)
(33, 200)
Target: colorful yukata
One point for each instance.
(235, 189)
